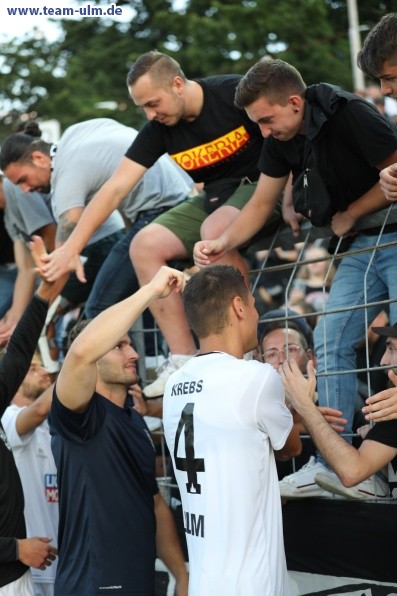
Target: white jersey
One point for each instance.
(36, 467)
(222, 419)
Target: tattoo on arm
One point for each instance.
(65, 228)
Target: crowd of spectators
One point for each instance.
(87, 221)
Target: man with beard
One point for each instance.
(74, 169)
(109, 500)
(318, 129)
(198, 125)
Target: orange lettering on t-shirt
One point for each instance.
(212, 152)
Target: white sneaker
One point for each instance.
(170, 365)
(302, 483)
(375, 487)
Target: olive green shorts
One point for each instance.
(185, 219)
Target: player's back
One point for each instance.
(221, 445)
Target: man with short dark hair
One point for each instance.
(344, 138)
(285, 321)
(75, 168)
(198, 125)
(111, 515)
(225, 421)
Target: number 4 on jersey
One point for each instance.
(189, 464)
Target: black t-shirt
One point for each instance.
(222, 142)
(106, 462)
(355, 139)
(384, 432)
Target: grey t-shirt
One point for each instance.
(25, 212)
(165, 184)
(87, 155)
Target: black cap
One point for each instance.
(387, 331)
(265, 323)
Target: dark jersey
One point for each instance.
(222, 142)
(13, 368)
(105, 461)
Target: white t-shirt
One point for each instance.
(222, 419)
(36, 467)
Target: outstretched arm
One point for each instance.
(47, 290)
(249, 221)
(344, 221)
(351, 465)
(107, 199)
(16, 361)
(77, 378)
(23, 290)
(32, 416)
(25, 281)
(371, 201)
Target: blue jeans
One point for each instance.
(7, 281)
(116, 279)
(337, 335)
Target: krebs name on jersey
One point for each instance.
(186, 388)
